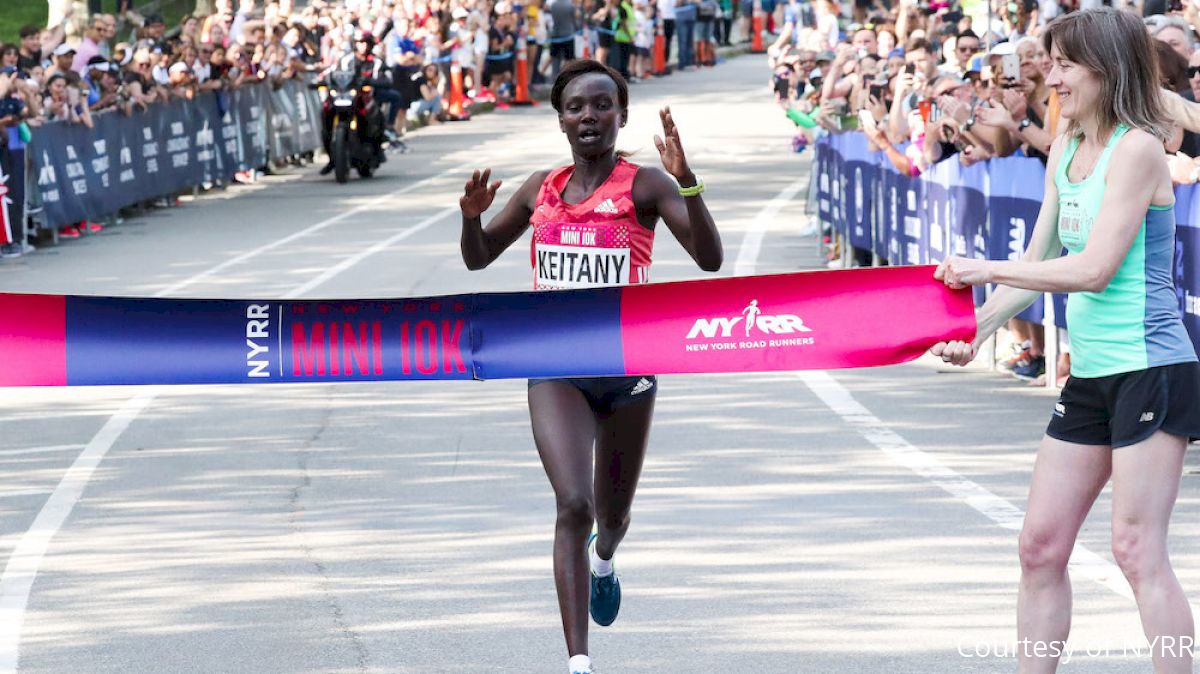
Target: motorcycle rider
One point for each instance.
(368, 70)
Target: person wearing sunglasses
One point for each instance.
(136, 76)
(966, 46)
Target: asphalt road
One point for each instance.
(850, 521)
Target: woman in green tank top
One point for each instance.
(1133, 397)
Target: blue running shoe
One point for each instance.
(605, 599)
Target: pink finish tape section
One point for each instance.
(33, 340)
(800, 321)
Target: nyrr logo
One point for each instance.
(778, 324)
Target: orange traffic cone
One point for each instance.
(521, 97)
(457, 111)
(756, 25)
(660, 52)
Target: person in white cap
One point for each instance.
(182, 81)
(64, 58)
(96, 66)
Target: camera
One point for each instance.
(782, 87)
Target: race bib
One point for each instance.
(560, 267)
(1074, 225)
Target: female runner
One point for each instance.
(606, 208)
(1133, 397)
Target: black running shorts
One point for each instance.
(608, 394)
(1125, 409)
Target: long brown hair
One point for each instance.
(1114, 45)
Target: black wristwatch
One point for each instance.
(969, 123)
(1024, 124)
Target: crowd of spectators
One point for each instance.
(935, 80)
(103, 62)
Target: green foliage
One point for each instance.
(17, 13)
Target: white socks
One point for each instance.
(601, 567)
(579, 664)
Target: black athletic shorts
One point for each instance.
(496, 67)
(608, 394)
(402, 78)
(563, 50)
(1125, 409)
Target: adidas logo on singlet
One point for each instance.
(606, 206)
(642, 386)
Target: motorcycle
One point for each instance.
(346, 110)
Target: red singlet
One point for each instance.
(597, 242)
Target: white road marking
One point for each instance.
(172, 289)
(19, 573)
(39, 450)
(1083, 563)
(747, 259)
(26, 558)
(23, 492)
(382, 245)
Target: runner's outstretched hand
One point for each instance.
(478, 195)
(671, 150)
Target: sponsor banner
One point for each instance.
(84, 173)
(813, 320)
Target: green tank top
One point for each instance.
(1134, 323)
(625, 23)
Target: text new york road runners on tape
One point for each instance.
(751, 330)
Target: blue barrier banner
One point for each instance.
(889, 229)
(985, 211)
(170, 147)
(837, 193)
(824, 179)
(1015, 198)
(295, 122)
(935, 215)
(880, 222)
(861, 172)
(909, 227)
(1187, 257)
(968, 213)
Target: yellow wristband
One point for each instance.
(694, 190)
